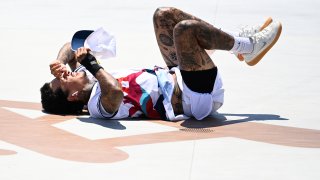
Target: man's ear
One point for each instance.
(73, 96)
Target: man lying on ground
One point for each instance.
(190, 86)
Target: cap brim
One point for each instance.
(79, 38)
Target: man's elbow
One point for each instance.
(117, 98)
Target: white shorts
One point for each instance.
(200, 105)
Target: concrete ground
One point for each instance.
(268, 128)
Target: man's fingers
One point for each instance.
(58, 69)
(55, 70)
(55, 67)
(81, 53)
(54, 63)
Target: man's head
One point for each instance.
(66, 95)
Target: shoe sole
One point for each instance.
(266, 23)
(260, 56)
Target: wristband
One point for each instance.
(91, 64)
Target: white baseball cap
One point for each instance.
(101, 43)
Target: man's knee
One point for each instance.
(163, 12)
(185, 27)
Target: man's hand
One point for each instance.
(83, 56)
(58, 69)
(81, 53)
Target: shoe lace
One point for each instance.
(247, 31)
(261, 35)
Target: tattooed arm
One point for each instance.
(111, 90)
(176, 99)
(67, 56)
(111, 93)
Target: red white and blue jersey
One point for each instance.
(142, 96)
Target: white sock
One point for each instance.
(231, 33)
(242, 45)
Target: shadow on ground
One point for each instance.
(214, 121)
(223, 119)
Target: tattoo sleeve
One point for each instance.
(66, 56)
(111, 93)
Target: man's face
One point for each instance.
(72, 84)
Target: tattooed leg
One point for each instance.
(205, 37)
(192, 37)
(164, 21)
(182, 39)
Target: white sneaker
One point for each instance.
(263, 42)
(247, 31)
(250, 31)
